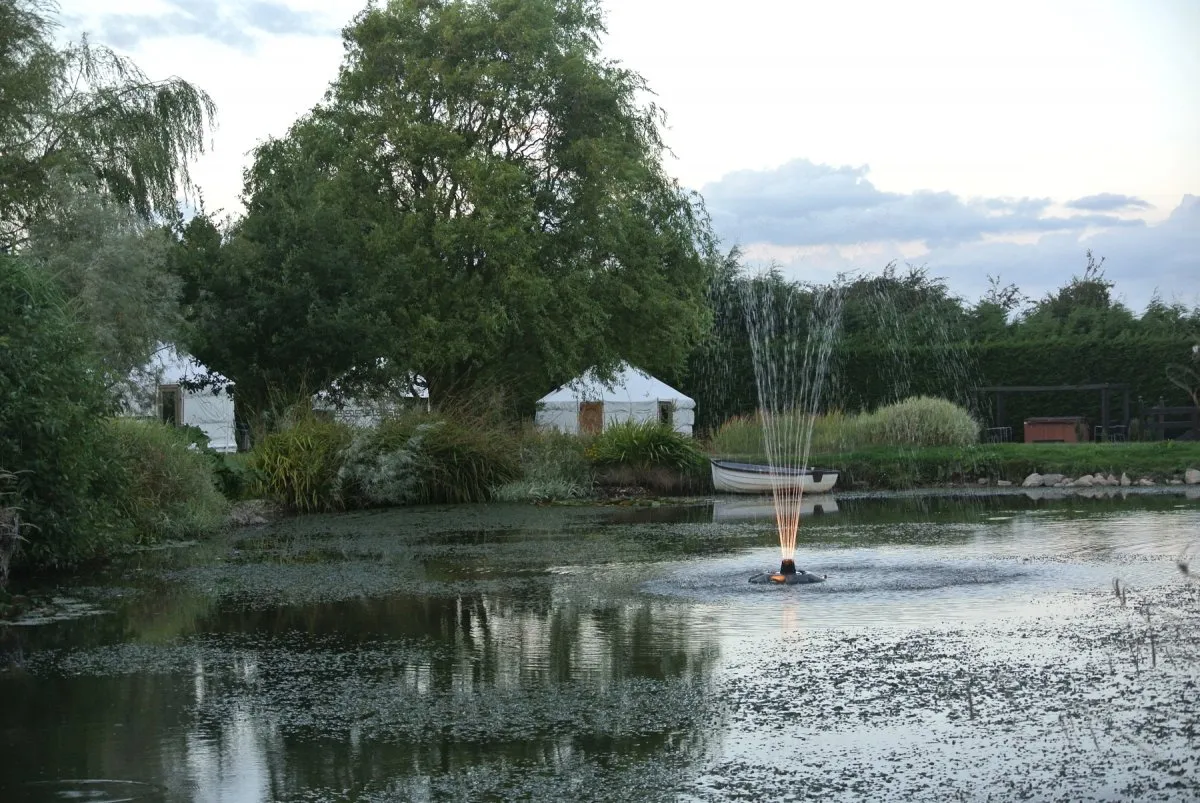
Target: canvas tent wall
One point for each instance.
(158, 392)
(588, 404)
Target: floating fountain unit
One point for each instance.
(789, 575)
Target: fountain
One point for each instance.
(790, 349)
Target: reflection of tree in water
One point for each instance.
(269, 702)
(565, 662)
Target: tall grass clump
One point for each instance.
(742, 436)
(170, 490)
(420, 458)
(554, 466)
(917, 421)
(923, 421)
(298, 466)
(649, 454)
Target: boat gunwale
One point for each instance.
(759, 469)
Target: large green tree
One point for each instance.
(87, 113)
(480, 200)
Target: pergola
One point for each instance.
(1106, 390)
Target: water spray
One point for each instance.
(789, 372)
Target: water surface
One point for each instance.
(509, 652)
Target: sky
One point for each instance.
(975, 139)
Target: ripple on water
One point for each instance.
(902, 587)
(93, 791)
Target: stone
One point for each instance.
(1003, 483)
(1111, 480)
(1052, 479)
(983, 481)
(1175, 482)
(1034, 480)
(1125, 481)
(1145, 482)
(1192, 476)
(1085, 481)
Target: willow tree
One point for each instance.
(90, 115)
(500, 195)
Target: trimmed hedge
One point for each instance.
(865, 377)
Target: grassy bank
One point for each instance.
(896, 468)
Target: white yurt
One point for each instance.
(588, 404)
(158, 392)
(408, 393)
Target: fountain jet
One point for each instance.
(790, 354)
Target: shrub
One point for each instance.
(418, 457)
(644, 445)
(170, 488)
(648, 454)
(384, 466)
(235, 474)
(298, 466)
(554, 465)
(923, 421)
(53, 403)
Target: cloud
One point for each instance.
(1108, 202)
(235, 24)
(803, 204)
(1162, 259)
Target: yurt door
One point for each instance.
(591, 417)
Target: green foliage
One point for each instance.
(554, 466)
(170, 491)
(298, 466)
(87, 113)
(418, 458)
(923, 421)
(111, 268)
(52, 436)
(235, 474)
(918, 421)
(10, 525)
(644, 445)
(516, 229)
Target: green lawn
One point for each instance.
(909, 467)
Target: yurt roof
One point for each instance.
(177, 367)
(629, 384)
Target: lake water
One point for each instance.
(962, 648)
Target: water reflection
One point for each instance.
(762, 508)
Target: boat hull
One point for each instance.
(750, 478)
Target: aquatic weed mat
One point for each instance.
(565, 773)
(1083, 708)
(407, 690)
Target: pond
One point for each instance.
(962, 648)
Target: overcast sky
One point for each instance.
(971, 137)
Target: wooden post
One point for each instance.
(1104, 412)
